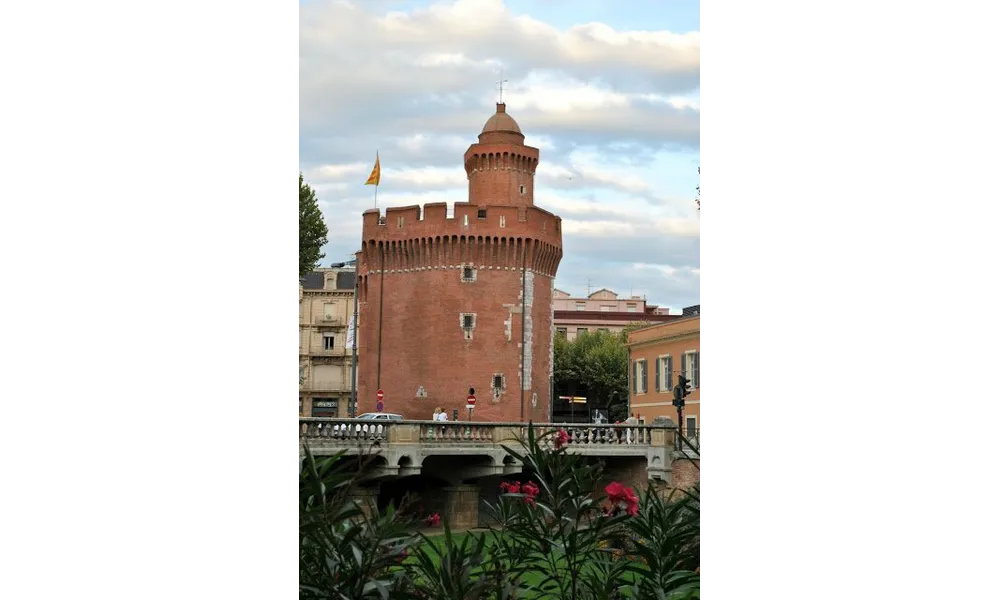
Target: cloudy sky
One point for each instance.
(608, 90)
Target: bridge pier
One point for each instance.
(461, 506)
(365, 497)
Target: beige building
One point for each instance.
(657, 355)
(326, 305)
(602, 310)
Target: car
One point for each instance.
(381, 416)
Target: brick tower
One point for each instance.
(452, 301)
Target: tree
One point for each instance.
(312, 229)
(599, 361)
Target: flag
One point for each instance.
(376, 173)
(350, 334)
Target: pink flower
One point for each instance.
(619, 494)
(432, 520)
(505, 487)
(530, 489)
(561, 439)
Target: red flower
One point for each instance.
(514, 487)
(615, 492)
(432, 520)
(561, 439)
(530, 489)
(504, 487)
(620, 494)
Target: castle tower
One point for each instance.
(452, 301)
(500, 167)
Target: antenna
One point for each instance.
(500, 86)
(588, 287)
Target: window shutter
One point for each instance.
(670, 373)
(645, 380)
(684, 365)
(695, 357)
(658, 373)
(635, 366)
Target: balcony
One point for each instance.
(338, 352)
(329, 321)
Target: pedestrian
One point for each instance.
(437, 411)
(630, 422)
(441, 415)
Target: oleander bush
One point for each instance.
(555, 538)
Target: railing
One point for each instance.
(691, 441)
(460, 433)
(329, 321)
(457, 432)
(343, 430)
(328, 351)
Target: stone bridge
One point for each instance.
(452, 466)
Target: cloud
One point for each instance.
(615, 114)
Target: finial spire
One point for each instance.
(500, 86)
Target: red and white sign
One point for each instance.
(470, 402)
(380, 395)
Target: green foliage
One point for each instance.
(344, 553)
(558, 537)
(312, 229)
(598, 360)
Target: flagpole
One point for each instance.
(376, 195)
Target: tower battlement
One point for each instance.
(458, 297)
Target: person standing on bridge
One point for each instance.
(440, 415)
(630, 422)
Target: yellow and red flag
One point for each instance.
(376, 173)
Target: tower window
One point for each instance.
(468, 320)
(481, 214)
(468, 274)
(522, 190)
(497, 384)
(503, 221)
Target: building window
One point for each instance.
(468, 274)
(465, 220)
(522, 190)
(606, 308)
(664, 373)
(581, 305)
(639, 377)
(399, 221)
(691, 427)
(468, 323)
(498, 381)
(381, 220)
(561, 331)
(503, 221)
(329, 341)
(481, 214)
(689, 365)
(631, 308)
(580, 331)
(328, 311)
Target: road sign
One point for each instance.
(471, 399)
(379, 406)
(380, 395)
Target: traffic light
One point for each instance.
(684, 384)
